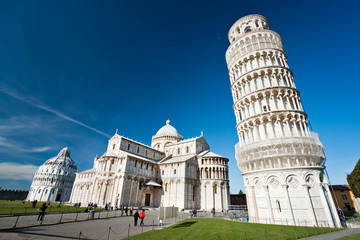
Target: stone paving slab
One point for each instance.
(98, 229)
(92, 229)
(31, 220)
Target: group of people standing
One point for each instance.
(137, 216)
(125, 209)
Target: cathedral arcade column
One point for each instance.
(137, 191)
(131, 188)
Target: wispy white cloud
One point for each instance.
(17, 147)
(15, 171)
(35, 103)
(13, 124)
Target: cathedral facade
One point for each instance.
(170, 172)
(281, 159)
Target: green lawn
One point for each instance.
(207, 228)
(18, 207)
(352, 237)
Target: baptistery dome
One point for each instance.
(62, 160)
(53, 181)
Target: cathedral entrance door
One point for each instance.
(58, 195)
(147, 199)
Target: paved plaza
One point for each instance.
(334, 235)
(90, 229)
(110, 225)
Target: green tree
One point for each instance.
(354, 180)
(241, 192)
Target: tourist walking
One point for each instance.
(126, 210)
(213, 212)
(194, 213)
(33, 204)
(136, 217)
(142, 216)
(42, 212)
(122, 210)
(131, 210)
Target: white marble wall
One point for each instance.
(119, 176)
(291, 197)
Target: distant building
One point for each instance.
(53, 181)
(344, 197)
(7, 194)
(170, 172)
(237, 199)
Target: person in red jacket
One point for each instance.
(142, 216)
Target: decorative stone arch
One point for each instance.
(251, 124)
(260, 95)
(273, 181)
(253, 98)
(257, 182)
(310, 179)
(265, 119)
(293, 180)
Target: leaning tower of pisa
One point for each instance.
(281, 160)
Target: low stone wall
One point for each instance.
(7, 194)
(351, 224)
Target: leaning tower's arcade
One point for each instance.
(281, 159)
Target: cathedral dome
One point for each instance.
(167, 130)
(62, 160)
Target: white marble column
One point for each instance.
(290, 212)
(310, 207)
(130, 194)
(268, 203)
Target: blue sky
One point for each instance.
(72, 72)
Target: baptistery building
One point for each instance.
(281, 159)
(172, 171)
(53, 181)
